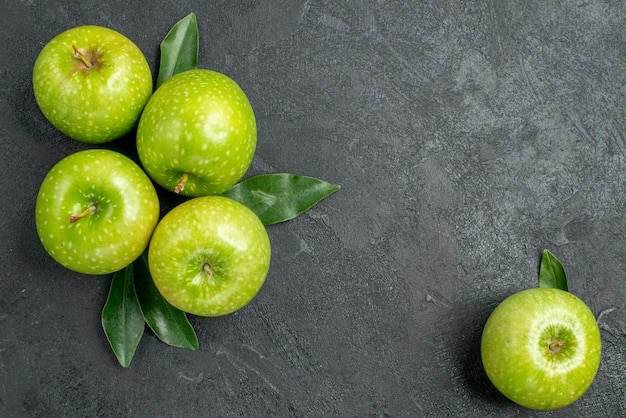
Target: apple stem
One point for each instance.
(181, 184)
(207, 269)
(81, 57)
(555, 347)
(91, 209)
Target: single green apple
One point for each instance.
(209, 256)
(541, 348)
(95, 211)
(197, 134)
(92, 83)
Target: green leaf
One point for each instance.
(168, 323)
(551, 272)
(179, 49)
(122, 320)
(280, 197)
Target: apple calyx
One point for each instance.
(207, 269)
(181, 184)
(90, 209)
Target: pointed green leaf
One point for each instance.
(280, 197)
(122, 320)
(551, 272)
(179, 49)
(168, 323)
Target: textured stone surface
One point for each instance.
(467, 136)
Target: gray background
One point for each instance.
(467, 136)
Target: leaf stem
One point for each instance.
(181, 184)
(90, 209)
(207, 269)
(555, 346)
(82, 57)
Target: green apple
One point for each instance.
(541, 348)
(95, 211)
(92, 83)
(209, 256)
(197, 134)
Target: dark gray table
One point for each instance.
(467, 136)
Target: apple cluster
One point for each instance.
(97, 210)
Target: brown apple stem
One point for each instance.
(555, 346)
(81, 57)
(90, 209)
(207, 269)
(181, 184)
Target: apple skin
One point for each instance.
(117, 232)
(209, 256)
(516, 354)
(199, 124)
(94, 104)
